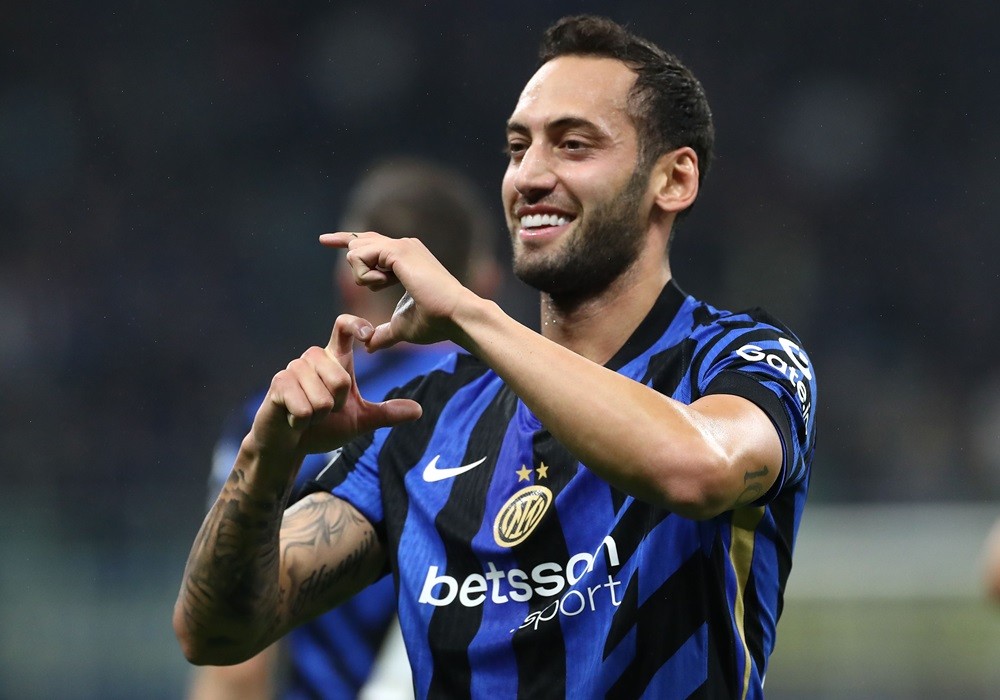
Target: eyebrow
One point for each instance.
(560, 124)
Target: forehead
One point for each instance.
(594, 88)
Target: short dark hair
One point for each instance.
(410, 196)
(667, 103)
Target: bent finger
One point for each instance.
(287, 394)
(346, 329)
(375, 279)
(368, 267)
(324, 380)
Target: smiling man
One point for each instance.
(607, 508)
(543, 196)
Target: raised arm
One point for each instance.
(718, 453)
(255, 571)
(698, 460)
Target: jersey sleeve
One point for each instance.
(352, 474)
(761, 361)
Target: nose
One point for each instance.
(534, 176)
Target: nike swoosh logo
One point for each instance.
(433, 473)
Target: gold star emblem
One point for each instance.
(543, 471)
(523, 473)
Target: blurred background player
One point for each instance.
(334, 655)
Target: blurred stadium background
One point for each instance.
(165, 169)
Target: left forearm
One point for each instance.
(642, 442)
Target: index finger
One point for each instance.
(340, 239)
(346, 329)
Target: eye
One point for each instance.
(515, 148)
(574, 146)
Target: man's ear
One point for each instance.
(675, 180)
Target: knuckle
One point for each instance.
(338, 379)
(310, 354)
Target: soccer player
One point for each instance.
(606, 508)
(333, 655)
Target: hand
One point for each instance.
(314, 404)
(426, 312)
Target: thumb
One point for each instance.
(382, 337)
(388, 413)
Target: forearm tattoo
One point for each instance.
(233, 565)
(232, 591)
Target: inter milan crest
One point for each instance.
(522, 512)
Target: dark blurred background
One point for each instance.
(165, 169)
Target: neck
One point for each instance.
(596, 327)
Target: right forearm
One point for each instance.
(229, 602)
(239, 593)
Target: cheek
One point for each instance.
(507, 184)
(508, 194)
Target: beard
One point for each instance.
(604, 246)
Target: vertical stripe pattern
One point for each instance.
(527, 576)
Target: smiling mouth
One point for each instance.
(538, 221)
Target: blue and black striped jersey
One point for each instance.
(522, 574)
(331, 657)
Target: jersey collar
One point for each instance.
(659, 318)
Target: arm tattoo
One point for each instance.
(753, 488)
(327, 530)
(232, 571)
(255, 570)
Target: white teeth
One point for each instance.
(540, 220)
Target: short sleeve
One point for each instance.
(352, 474)
(765, 364)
